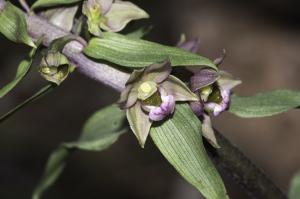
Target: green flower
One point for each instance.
(150, 96)
(54, 67)
(110, 15)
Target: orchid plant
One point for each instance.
(174, 112)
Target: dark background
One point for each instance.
(262, 39)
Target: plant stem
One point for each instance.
(229, 158)
(251, 178)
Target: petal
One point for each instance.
(92, 10)
(105, 5)
(198, 108)
(120, 14)
(215, 108)
(166, 108)
(208, 131)
(226, 81)
(128, 97)
(203, 78)
(135, 76)
(61, 17)
(175, 87)
(218, 61)
(139, 123)
(190, 45)
(158, 72)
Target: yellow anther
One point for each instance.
(206, 90)
(46, 70)
(146, 87)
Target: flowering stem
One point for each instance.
(228, 157)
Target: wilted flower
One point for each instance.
(150, 95)
(110, 15)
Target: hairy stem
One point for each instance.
(229, 158)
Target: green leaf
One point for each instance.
(55, 166)
(36, 96)
(49, 3)
(130, 52)
(100, 131)
(13, 25)
(264, 104)
(294, 190)
(23, 69)
(179, 140)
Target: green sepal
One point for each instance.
(175, 87)
(139, 122)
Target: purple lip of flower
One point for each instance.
(217, 109)
(166, 108)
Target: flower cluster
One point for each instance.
(150, 96)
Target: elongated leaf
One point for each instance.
(23, 68)
(36, 96)
(101, 130)
(49, 3)
(294, 190)
(13, 25)
(130, 52)
(265, 104)
(55, 166)
(179, 140)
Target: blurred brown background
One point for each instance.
(262, 39)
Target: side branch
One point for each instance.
(228, 157)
